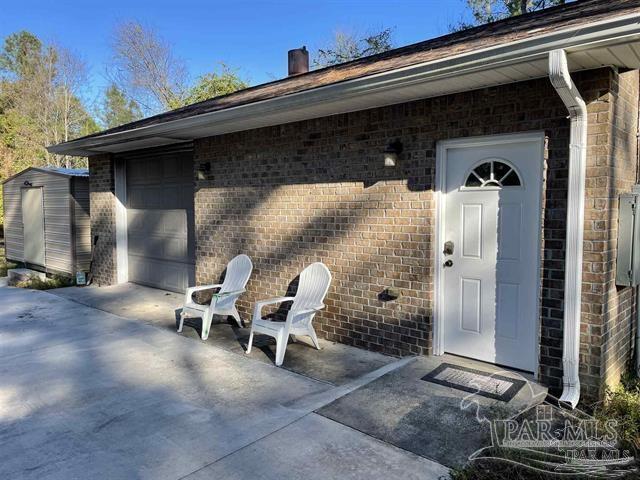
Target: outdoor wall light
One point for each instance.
(203, 169)
(27, 183)
(392, 153)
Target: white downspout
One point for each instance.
(561, 81)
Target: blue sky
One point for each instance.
(251, 35)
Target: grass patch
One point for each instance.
(4, 265)
(496, 470)
(511, 468)
(622, 404)
(36, 283)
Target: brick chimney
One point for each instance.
(298, 61)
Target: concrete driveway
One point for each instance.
(88, 394)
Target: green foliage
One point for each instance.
(497, 470)
(4, 265)
(347, 47)
(40, 103)
(486, 11)
(215, 84)
(86, 127)
(622, 404)
(117, 109)
(20, 54)
(36, 283)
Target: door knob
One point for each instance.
(448, 263)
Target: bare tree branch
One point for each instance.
(145, 68)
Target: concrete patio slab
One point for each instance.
(87, 394)
(320, 449)
(437, 422)
(335, 363)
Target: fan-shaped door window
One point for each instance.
(493, 173)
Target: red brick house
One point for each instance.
(463, 192)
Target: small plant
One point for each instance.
(5, 267)
(37, 283)
(622, 404)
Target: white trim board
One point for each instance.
(122, 243)
(440, 201)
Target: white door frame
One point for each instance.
(440, 202)
(122, 242)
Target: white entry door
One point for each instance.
(490, 273)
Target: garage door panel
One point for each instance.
(143, 172)
(173, 195)
(160, 220)
(147, 197)
(175, 249)
(172, 169)
(173, 276)
(174, 222)
(159, 248)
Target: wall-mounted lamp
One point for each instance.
(203, 169)
(392, 153)
(27, 183)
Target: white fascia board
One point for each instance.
(598, 34)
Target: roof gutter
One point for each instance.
(607, 31)
(562, 82)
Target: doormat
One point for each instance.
(488, 385)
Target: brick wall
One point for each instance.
(103, 218)
(618, 316)
(316, 190)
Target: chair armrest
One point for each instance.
(226, 295)
(233, 292)
(258, 308)
(312, 309)
(191, 290)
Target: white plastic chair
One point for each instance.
(224, 301)
(312, 288)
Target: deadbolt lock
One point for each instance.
(448, 248)
(448, 263)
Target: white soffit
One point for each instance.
(138, 144)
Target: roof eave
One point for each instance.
(362, 93)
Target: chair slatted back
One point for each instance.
(238, 272)
(312, 288)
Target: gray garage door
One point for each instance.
(160, 219)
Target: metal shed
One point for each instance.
(47, 225)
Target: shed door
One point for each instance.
(160, 220)
(33, 225)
